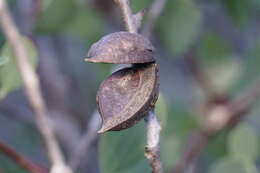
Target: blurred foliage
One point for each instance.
(180, 25)
(22, 137)
(241, 11)
(70, 16)
(56, 14)
(243, 143)
(9, 76)
(227, 166)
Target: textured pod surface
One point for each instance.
(126, 96)
(122, 48)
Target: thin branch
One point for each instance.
(81, 151)
(127, 15)
(152, 16)
(219, 118)
(21, 160)
(152, 149)
(32, 90)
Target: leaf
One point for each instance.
(181, 25)
(161, 110)
(56, 15)
(224, 75)
(214, 49)
(180, 122)
(2, 40)
(175, 128)
(171, 148)
(240, 11)
(251, 70)
(86, 24)
(9, 166)
(243, 143)
(3, 60)
(123, 152)
(136, 5)
(222, 67)
(217, 148)
(9, 76)
(227, 165)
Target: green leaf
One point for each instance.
(9, 76)
(224, 75)
(9, 166)
(161, 110)
(227, 166)
(243, 143)
(3, 60)
(56, 15)
(176, 125)
(240, 10)
(2, 40)
(180, 122)
(171, 148)
(251, 66)
(221, 66)
(87, 24)
(137, 5)
(214, 49)
(181, 24)
(217, 148)
(123, 151)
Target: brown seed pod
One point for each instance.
(127, 95)
(122, 48)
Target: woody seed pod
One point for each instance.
(122, 48)
(127, 95)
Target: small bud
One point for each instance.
(127, 96)
(122, 48)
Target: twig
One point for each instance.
(152, 149)
(32, 90)
(219, 117)
(21, 160)
(152, 16)
(81, 151)
(127, 15)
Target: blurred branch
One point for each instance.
(81, 151)
(127, 15)
(21, 160)
(56, 93)
(152, 149)
(32, 89)
(198, 72)
(219, 117)
(152, 16)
